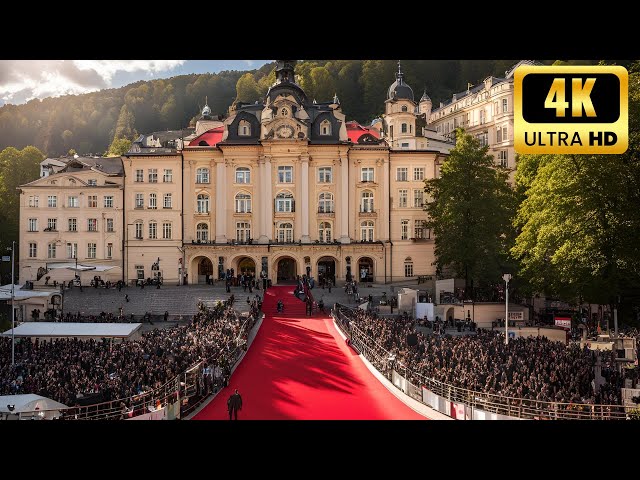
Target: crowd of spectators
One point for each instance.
(68, 369)
(530, 368)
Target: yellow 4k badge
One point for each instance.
(571, 109)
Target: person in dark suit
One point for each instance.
(234, 403)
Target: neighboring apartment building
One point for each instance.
(73, 217)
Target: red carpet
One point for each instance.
(300, 368)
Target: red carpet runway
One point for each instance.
(299, 368)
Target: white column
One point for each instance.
(383, 203)
(263, 204)
(221, 200)
(344, 200)
(268, 199)
(305, 200)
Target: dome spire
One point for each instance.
(399, 75)
(206, 111)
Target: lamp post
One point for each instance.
(506, 277)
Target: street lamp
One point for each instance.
(506, 277)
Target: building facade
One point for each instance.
(73, 217)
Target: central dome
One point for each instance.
(398, 89)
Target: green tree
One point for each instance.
(247, 88)
(118, 147)
(470, 211)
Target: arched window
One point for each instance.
(243, 175)
(408, 267)
(366, 201)
(243, 203)
(284, 112)
(366, 231)
(285, 232)
(285, 202)
(404, 108)
(325, 127)
(202, 232)
(324, 232)
(243, 232)
(403, 128)
(325, 203)
(202, 175)
(203, 203)
(244, 128)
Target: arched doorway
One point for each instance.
(365, 269)
(205, 271)
(246, 265)
(286, 270)
(326, 269)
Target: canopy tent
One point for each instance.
(20, 294)
(30, 406)
(85, 331)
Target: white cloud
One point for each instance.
(108, 68)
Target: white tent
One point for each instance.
(30, 406)
(82, 330)
(20, 294)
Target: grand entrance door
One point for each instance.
(247, 266)
(205, 270)
(327, 269)
(286, 270)
(365, 270)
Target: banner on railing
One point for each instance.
(155, 415)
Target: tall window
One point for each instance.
(244, 128)
(324, 232)
(420, 229)
(33, 250)
(482, 117)
(33, 224)
(402, 198)
(243, 175)
(325, 127)
(402, 174)
(91, 250)
(505, 105)
(168, 175)
(34, 201)
(285, 232)
(366, 174)
(202, 232)
(418, 198)
(73, 225)
(418, 173)
(167, 200)
(366, 231)
(483, 138)
(153, 201)
(203, 203)
(284, 202)
(404, 229)
(504, 133)
(325, 203)
(52, 201)
(366, 201)
(52, 224)
(408, 267)
(243, 231)
(109, 250)
(202, 175)
(108, 201)
(72, 202)
(110, 225)
(325, 175)
(139, 200)
(243, 203)
(139, 176)
(166, 231)
(502, 156)
(72, 250)
(153, 230)
(92, 224)
(93, 201)
(285, 174)
(403, 128)
(51, 250)
(138, 230)
(153, 175)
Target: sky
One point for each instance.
(23, 80)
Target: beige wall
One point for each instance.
(146, 251)
(63, 186)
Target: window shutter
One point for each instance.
(293, 205)
(275, 205)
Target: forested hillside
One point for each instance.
(88, 123)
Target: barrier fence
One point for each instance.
(461, 403)
(179, 396)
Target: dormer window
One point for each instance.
(92, 182)
(325, 127)
(244, 128)
(404, 108)
(284, 112)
